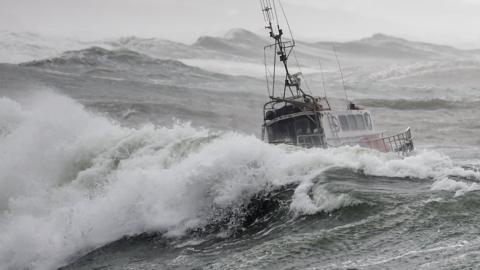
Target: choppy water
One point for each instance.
(83, 191)
(116, 160)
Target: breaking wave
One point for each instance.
(99, 56)
(72, 181)
(459, 187)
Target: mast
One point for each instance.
(283, 49)
(298, 99)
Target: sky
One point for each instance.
(452, 22)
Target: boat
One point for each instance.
(297, 118)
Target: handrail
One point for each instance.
(401, 143)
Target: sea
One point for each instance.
(114, 159)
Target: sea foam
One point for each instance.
(72, 181)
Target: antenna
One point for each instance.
(282, 48)
(341, 73)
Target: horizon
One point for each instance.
(445, 22)
(224, 35)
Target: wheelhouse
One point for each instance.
(296, 121)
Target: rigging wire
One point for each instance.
(265, 18)
(276, 14)
(341, 73)
(269, 19)
(286, 20)
(275, 69)
(263, 10)
(266, 10)
(323, 79)
(266, 71)
(293, 43)
(303, 76)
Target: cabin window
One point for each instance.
(368, 120)
(302, 126)
(352, 123)
(281, 131)
(344, 122)
(360, 122)
(298, 130)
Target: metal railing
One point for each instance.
(401, 143)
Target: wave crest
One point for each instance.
(72, 181)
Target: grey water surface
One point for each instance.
(120, 155)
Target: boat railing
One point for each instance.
(401, 143)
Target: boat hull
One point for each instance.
(333, 129)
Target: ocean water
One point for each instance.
(81, 190)
(124, 172)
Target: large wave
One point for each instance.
(71, 181)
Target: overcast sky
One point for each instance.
(454, 22)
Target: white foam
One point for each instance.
(320, 200)
(459, 187)
(71, 181)
(236, 68)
